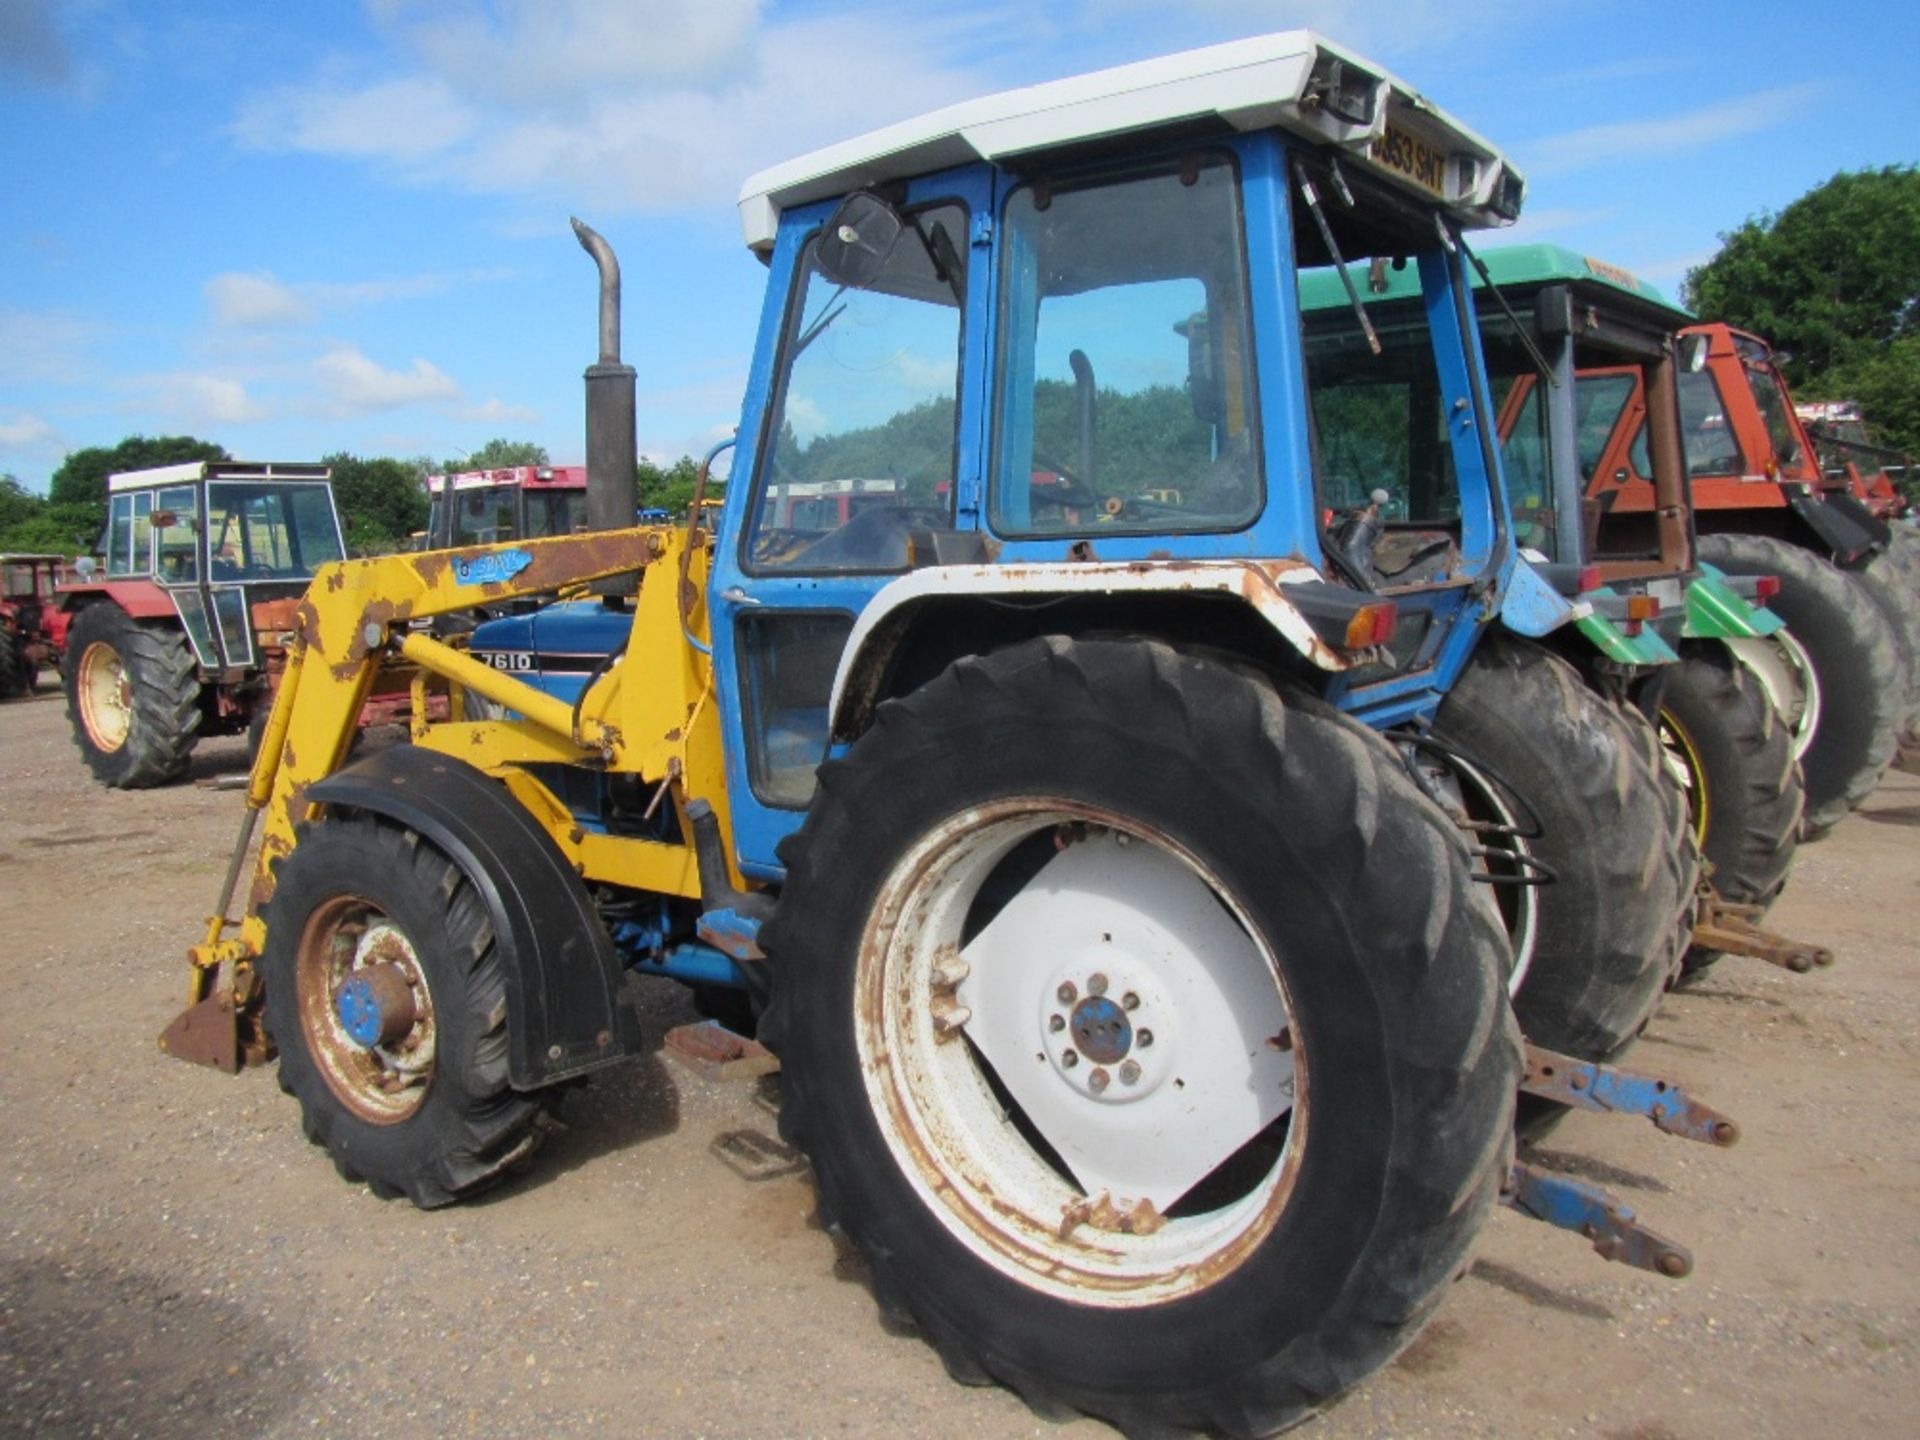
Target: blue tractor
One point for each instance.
(1049, 745)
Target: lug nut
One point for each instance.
(1130, 1001)
(1143, 1039)
(1097, 1081)
(1096, 984)
(1066, 994)
(1129, 1072)
(1056, 1023)
(1070, 1058)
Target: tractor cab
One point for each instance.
(484, 507)
(1040, 356)
(1582, 361)
(227, 547)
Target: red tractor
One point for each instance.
(1764, 504)
(184, 629)
(519, 502)
(33, 631)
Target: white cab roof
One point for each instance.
(191, 470)
(1245, 85)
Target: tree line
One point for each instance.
(382, 499)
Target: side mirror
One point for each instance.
(1693, 354)
(854, 247)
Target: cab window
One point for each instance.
(1705, 429)
(860, 443)
(1125, 380)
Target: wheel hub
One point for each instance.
(1104, 1023)
(376, 1005)
(1101, 1030)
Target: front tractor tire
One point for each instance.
(386, 997)
(133, 697)
(1610, 925)
(1144, 1033)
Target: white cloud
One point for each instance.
(353, 383)
(258, 300)
(493, 409)
(46, 346)
(198, 398)
(670, 114)
(1668, 272)
(1533, 224)
(524, 51)
(26, 433)
(407, 119)
(248, 301)
(1632, 141)
(1367, 26)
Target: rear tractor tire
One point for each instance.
(133, 697)
(386, 997)
(1835, 623)
(1610, 924)
(1144, 1033)
(15, 676)
(1734, 759)
(1893, 579)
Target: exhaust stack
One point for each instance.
(612, 441)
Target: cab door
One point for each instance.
(860, 428)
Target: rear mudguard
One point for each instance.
(1716, 610)
(565, 1014)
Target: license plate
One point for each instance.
(1407, 155)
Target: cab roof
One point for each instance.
(189, 471)
(1517, 266)
(1296, 81)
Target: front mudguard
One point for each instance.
(565, 1014)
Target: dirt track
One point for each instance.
(176, 1260)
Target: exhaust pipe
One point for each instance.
(613, 499)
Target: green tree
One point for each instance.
(498, 454)
(1830, 279)
(670, 488)
(81, 479)
(32, 522)
(381, 500)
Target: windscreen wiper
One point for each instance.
(1452, 238)
(1312, 197)
(829, 313)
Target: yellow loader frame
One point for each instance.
(362, 616)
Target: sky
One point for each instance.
(301, 228)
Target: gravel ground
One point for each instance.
(176, 1260)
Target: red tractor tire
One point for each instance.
(133, 697)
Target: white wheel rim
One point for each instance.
(1221, 1066)
(1785, 672)
(106, 697)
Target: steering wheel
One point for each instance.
(1075, 491)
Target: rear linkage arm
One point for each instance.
(1569, 1204)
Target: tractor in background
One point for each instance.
(1847, 677)
(1143, 1013)
(519, 502)
(180, 628)
(33, 629)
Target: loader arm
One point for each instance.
(357, 616)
